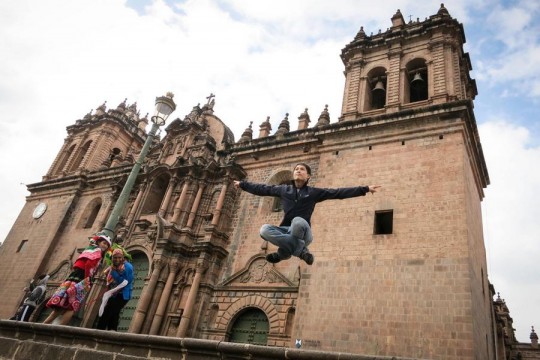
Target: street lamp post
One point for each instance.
(164, 107)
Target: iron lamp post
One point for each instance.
(164, 107)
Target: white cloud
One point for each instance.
(512, 39)
(511, 215)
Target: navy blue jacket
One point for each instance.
(301, 202)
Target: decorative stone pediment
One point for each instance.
(258, 272)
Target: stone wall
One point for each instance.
(25, 341)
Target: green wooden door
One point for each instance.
(140, 268)
(251, 327)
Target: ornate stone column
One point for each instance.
(146, 297)
(180, 202)
(219, 205)
(167, 198)
(164, 300)
(393, 73)
(136, 204)
(190, 302)
(105, 211)
(195, 206)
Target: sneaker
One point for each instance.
(308, 258)
(273, 258)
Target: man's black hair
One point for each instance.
(308, 169)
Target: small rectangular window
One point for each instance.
(383, 222)
(22, 245)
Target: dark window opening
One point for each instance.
(376, 82)
(92, 217)
(22, 245)
(114, 154)
(378, 93)
(383, 222)
(418, 85)
(155, 195)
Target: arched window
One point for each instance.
(156, 194)
(80, 156)
(281, 178)
(250, 327)
(64, 159)
(417, 80)
(115, 153)
(376, 89)
(90, 214)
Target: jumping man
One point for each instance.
(293, 235)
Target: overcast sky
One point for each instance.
(60, 59)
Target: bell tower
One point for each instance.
(409, 66)
(73, 200)
(99, 141)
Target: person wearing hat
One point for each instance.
(120, 284)
(67, 299)
(293, 235)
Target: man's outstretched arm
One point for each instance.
(258, 189)
(346, 193)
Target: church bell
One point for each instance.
(379, 86)
(417, 81)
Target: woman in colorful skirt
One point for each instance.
(67, 299)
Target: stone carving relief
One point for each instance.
(259, 271)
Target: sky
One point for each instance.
(61, 59)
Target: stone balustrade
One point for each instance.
(34, 341)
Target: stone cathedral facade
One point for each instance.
(399, 273)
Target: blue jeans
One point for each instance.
(290, 240)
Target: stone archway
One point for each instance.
(250, 327)
(251, 301)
